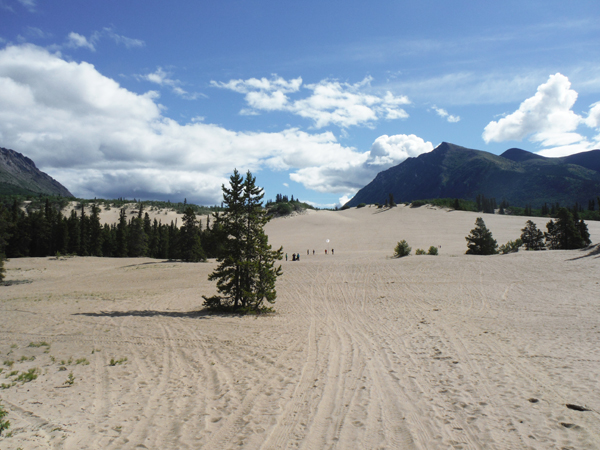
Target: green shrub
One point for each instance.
(28, 376)
(114, 362)
(420, 251)
(361, 205)
(432, 251)
(70, 380)
(402, 249)
(4, 424)
(511, 246)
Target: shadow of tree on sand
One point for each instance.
(200, 314)
(594, 250)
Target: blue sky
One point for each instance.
(162, 100)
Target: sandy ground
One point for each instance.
(364, 352)
(110, 215)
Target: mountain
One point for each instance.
(521, 177)
(19, 175)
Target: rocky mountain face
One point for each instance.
(19, 175)
(521, 177)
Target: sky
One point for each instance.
(163, 100)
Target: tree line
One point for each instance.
(567, 232)
(47, 232)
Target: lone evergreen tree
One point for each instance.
(532, 237)
(480, 241)
(246, 273)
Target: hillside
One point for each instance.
(521, 177)
(20, 176)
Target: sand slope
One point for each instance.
(364, 352)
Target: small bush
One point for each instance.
(114, 362)
(9, 363)
(82, 361)
(4, 424)
(361, 205)
(39, 344)
(70, 380)
(28, 376)
(511, 246)
(420, 251)
(432, 251)
(402, 249)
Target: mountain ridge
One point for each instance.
(20, 176)
(521, 177)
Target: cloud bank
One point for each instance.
(102, 140)
(547, 119)
(330, 102)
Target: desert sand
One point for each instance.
(364, 351)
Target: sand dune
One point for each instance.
(364, 352)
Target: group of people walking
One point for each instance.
(296, 256)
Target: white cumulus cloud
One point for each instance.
(100, 139)
(349, 175)
(330, 102)
(548, 119)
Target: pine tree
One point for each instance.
(121, 237)
(163, 244)
(480, 241)
(391, 202)
(4, 236)
(567, 232)
(532, 237)
(246, 274)
(74, 233)
(84, 230)
(191, 248)
(138, 240)
(95, 232)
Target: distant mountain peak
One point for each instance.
(19, 175)
(519, 155)
(521, 177)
